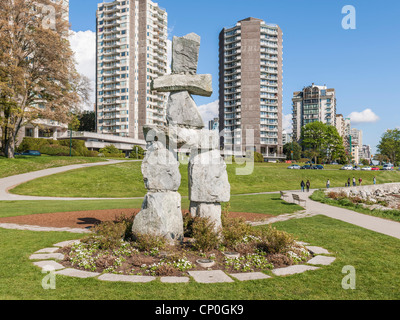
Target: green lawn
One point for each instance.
(265, 204)
(125, 180)
(374, 256)
(24, 164)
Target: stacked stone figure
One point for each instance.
(208, 178)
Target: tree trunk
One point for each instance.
(10, 148)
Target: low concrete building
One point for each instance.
(97, 141)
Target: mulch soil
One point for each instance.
(88, 219)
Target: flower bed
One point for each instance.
(113, 249)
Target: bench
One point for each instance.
(297, 199)
(283, 195)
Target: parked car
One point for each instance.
(347, 167)
(318, 167)
(375, 169)
(306, 167)
(294, 167)
(357, 168)
(366, 169)
(388, 167)
(33, 153)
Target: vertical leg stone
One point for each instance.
(161, 215)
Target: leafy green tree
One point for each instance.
(322, 141)
(87, 121)
(389, 145)
(292, 147)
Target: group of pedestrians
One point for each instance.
(307, 185)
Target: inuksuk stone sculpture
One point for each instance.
(208, 179)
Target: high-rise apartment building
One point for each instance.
(312, 104)
(250, 93)
(131, 51)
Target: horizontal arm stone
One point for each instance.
(199, 85)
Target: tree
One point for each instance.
(389, 145)
(292, 147)
(323, 141)
(87, 121)
(137, 153)
(38, 78)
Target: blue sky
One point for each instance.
(362, 64)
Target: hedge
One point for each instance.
(56, 147)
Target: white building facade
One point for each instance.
(312, 104)
(131, 52)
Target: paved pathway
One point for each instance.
(11, 182)
(387, 227)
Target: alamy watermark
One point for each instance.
(49, 280)
(349, 21)
(349, 281)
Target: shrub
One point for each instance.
(56, 147)
(274, 241)
(258, 157)
(108, 235)
(29, 143)
(206, 238)
(113, 155)
(128, 222)
(137, 155)
(235, 230)
(188, 221)
(145, 242)
(56, 150)
(110, 149)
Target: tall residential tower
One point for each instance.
(131, 51)
(312, 104)
(250, 93)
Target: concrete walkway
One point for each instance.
(380, 225)
(13, 181)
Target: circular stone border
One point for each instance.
(47, 258)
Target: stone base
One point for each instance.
(213, 211)
(161, 215)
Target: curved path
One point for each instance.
(380, 225)
(387, 227)
(13, 181)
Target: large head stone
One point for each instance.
(185, 54)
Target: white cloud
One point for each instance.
(83, 44)
(209, 111)
(366, 116)
(287, 123)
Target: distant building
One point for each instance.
(366, 153)
(131, 52)
(312, 104)
(213, 124)
(287, 137)
(250, 93)
(356, 138)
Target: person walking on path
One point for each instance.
(328, 184)
(354, 182)
(360, 181)
(308, 185)
(374, 180)
(303, 185)
(348, 183)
